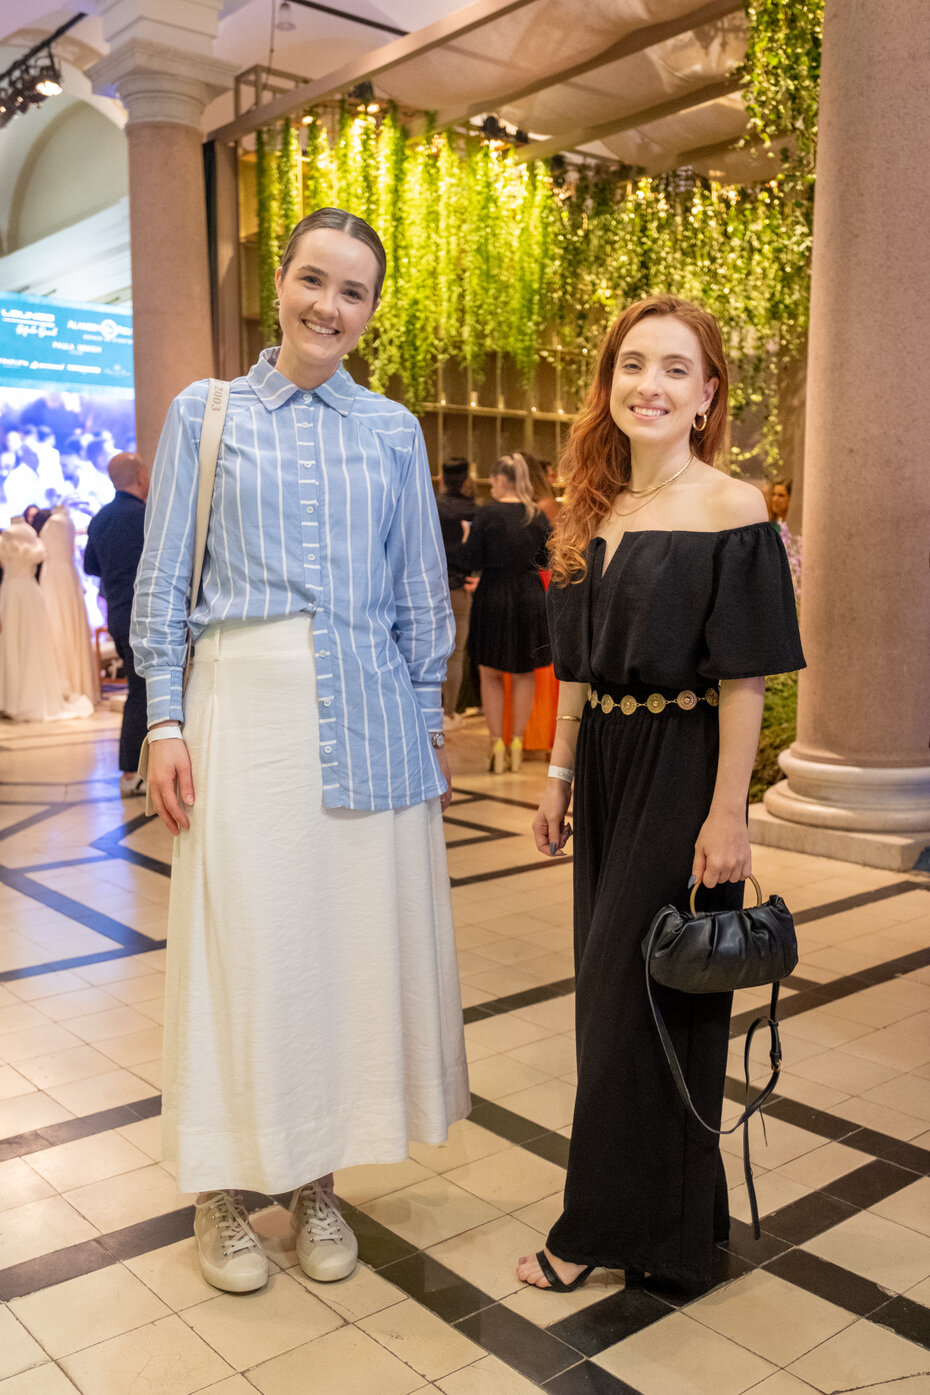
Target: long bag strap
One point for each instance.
(751, 1108)
(211, 436)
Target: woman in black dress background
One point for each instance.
(507, 545)
(668, 580)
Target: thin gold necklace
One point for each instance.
(656, 487)
(650, 493)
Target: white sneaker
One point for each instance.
(231, 1255)
(326, 1248)
(130, 785)
(453, 723)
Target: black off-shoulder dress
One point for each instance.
(645, 1186)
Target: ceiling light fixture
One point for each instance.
(33, 78)
(285, 20)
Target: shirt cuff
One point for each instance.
(429, 696)
(164, 696)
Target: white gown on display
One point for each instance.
(31, 685)
(64, 598)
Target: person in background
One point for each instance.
(22, 485)
(780, 502)
(114, 546)
(543, 492)
(508, 633)
(99, 452)
(455, 503)
(64, 600)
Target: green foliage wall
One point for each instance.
(487, 255)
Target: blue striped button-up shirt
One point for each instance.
(322, 503)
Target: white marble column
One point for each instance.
(162, 69)
(861, 761)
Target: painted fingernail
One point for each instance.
(553, 849)
(691, 882)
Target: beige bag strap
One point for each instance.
(211, 436)
(214, 417)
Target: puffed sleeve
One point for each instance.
(752, 626)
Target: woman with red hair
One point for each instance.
(671, 599)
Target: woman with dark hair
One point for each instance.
(456, 505)
(508, 634)
(671, 599)
(313, 1015)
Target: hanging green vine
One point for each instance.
(289, 179)
(487, 255)
(269, 232)
(781, 77)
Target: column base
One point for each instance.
(859, 799)
(892, 852)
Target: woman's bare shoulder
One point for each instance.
(730, 503)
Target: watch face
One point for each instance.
(437, 739)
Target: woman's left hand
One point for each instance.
(442, 760)
(722, 852)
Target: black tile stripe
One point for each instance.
(68, 862)
(510, 871)
(513, 1002)
(74, 910)
(837, 989)
(30, 820)
(861, 898)
(68, 1130)
(80, 961)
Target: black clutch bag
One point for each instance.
(719, 952)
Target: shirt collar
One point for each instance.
(273, 389)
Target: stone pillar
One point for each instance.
(165, 91)
(861, 760)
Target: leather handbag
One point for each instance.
(719, 952)
(211, 438)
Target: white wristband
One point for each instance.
(171, 733)
(561, 772)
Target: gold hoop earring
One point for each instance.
(703, 425)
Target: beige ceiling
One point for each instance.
(666, 96)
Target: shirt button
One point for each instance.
(327, 750)
(327, 702)
(323, 654)
(309, 508)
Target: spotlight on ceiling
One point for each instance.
(285, 19)
(28, 82)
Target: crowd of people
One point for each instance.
(313, 1015)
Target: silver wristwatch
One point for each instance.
(437, 739)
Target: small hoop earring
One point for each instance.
(703, 425)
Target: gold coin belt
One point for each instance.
(654, 703)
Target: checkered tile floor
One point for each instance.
(98, 1273)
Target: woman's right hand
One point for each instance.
(549, 826)
(171, 782)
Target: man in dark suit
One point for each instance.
(114, 546)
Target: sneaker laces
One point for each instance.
(315, 1208)
(234, 1232)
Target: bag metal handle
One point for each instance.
(697, 886)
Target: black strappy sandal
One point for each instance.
(555, 1283)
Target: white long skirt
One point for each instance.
(313, 1010)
